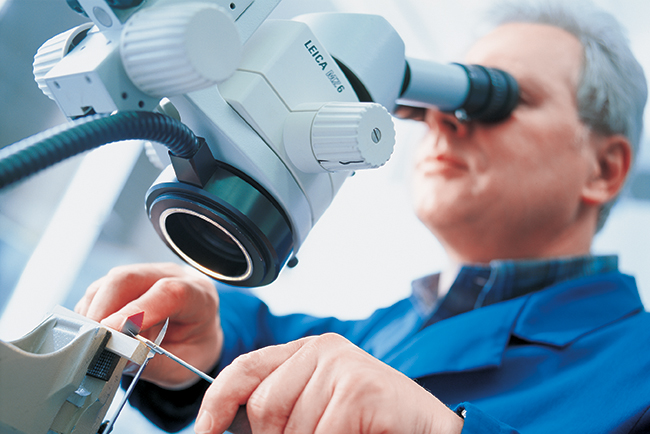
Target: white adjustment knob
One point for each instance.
(176, 49)
(343, 136)
(52, 51)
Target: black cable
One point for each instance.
(35, 153)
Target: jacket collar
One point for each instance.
(556, 316)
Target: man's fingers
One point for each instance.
(321, 385)
(84, 303)
(156, 309)
(162, 291)
(272, 403)
(125, 284)
(311, 404)
(341, 416)
(237, 382)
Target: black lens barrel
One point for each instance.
(493, 94)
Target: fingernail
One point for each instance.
(203, 423)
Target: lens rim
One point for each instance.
(236, 203)
(170, 242)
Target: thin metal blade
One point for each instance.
(107, 428)
(160, 350)
(161, 335)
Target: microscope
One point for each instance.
(259, 122)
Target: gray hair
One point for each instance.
(612, 90)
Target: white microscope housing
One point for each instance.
(285, 111)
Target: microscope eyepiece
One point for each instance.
(492, 94)
(471, 92)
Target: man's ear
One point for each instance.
(613, 157)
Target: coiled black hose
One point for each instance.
(35, 153)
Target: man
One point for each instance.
(532, 334)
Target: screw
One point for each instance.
(376, 135)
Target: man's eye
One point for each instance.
(411, 113)
(525, 99)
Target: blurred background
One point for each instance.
(68, 225)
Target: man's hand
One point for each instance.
(321, 384)
(161, 291)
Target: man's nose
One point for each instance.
(446, 123)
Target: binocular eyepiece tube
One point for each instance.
(471, 92)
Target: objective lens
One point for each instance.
(205, 244)
(230, 230)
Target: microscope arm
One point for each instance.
(128, 59)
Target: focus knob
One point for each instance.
(343, 136)
(180, 48)
(53, 50)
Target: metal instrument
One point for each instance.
(156, 348)
(108, 425)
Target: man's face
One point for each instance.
(491, 191)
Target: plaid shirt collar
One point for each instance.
(500, 280)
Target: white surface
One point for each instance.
(369, 46)
(352, 136)
(180, 48)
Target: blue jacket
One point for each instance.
(574, 357)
